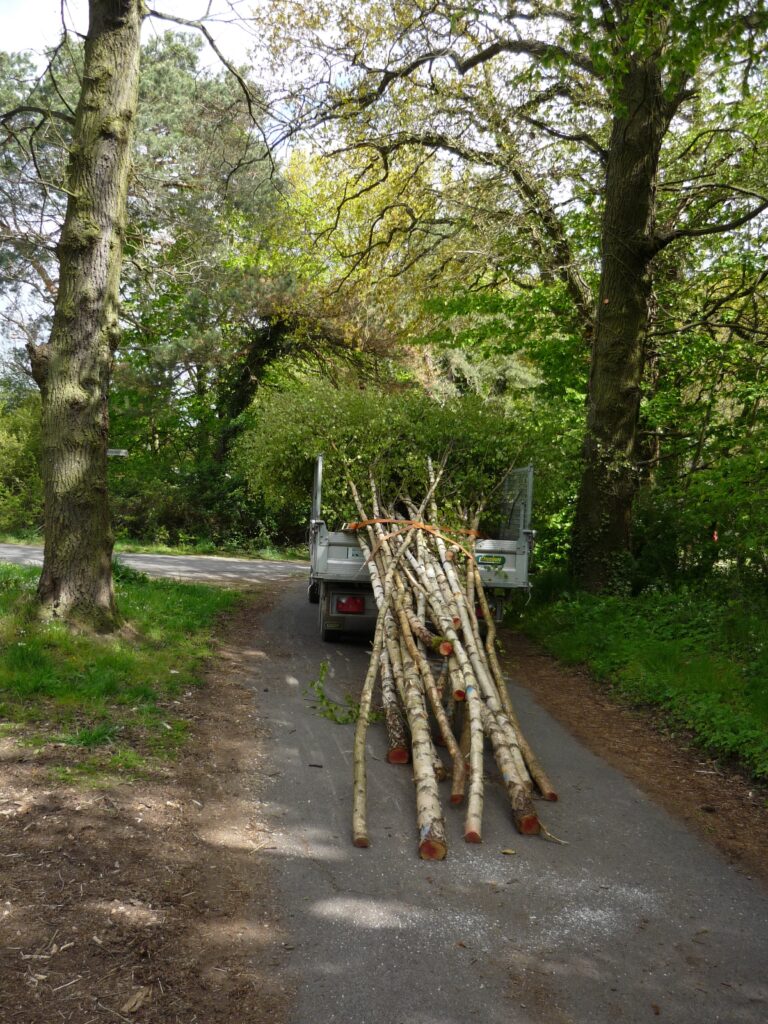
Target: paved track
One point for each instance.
(636, 919)
(185, 567)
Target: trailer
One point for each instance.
(339, 582)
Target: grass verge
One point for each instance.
(208, 547)
(100, 705)
(700, 655)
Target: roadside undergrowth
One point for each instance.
(94, 707)
(270, 553)
(698, 654)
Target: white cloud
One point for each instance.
(35, 24)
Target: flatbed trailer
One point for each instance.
(340, 584)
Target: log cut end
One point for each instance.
(549, 794)
(362, 842)
(457, 798)
(528, 824)
(459, 695)
(398, 755)
(472, 836)
(445, 648)
(432, 849)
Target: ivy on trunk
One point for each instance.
(601, 532)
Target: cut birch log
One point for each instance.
(429, 816)
(538, 774)
(359, 823)
(429, 593)
(523, 813)
(473, 823)
(397, 738)
(458, 771)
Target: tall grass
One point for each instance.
(698, 653)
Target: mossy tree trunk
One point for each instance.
(73, 369)
(601, 535)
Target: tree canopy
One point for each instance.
(552, 213)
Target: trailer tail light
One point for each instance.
(350, 605)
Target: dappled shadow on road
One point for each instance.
(723, 804)
(617, 925)
(226, 889)
(241, 573)
(472, 939)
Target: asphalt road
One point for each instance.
(634, 919)
(210, 569)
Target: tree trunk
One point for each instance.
(73, 370)
(601, 534)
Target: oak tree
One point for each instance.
(572, 107)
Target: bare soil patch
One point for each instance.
(150, 901)
(723, 806)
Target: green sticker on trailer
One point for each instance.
(492, 561)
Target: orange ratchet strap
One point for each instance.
(411, 523)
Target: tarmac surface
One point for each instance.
(636, 918)
(205, 568)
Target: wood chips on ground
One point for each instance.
(149, 902)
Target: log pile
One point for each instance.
(440, 680)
